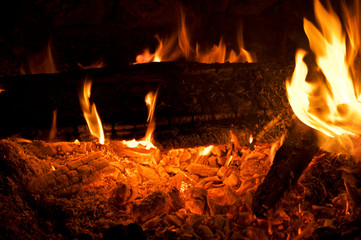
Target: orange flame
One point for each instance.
(168, 50)
(150, 100)
(90, 112)
(331, 105)
(244, 55)
(42, 62)
(165, 51)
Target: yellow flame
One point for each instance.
(90, 112)
(331, 105)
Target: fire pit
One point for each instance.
(185, 141)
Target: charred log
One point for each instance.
(190, 96)
(291, 160)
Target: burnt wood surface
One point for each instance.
(191, 96)
(296, 153)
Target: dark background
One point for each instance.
(85, 31)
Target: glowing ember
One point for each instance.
(206, 151)
(90, 112)
(52, 168)
(150, 100)
(329, 105)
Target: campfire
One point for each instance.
(187, 141)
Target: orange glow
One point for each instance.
(206, 151)
(52, 168)
(329, 105)
(150, 100)
(97, 64)
(90, 112)
(53, 129)
(42, 62)
(183, 38)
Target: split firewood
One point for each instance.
(291, 160)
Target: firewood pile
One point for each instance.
(84, 190)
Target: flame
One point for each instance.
(331, 105)
(42, 62)
(90, 112)
(165, 51)
(216, 54)
(244, 55)
(52, 167)
(206, 151)
(250, 139)
(169, 50)
(183, 37)
(150, 101)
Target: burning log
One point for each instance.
(191, 97)
(297, 151)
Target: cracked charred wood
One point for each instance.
(190, 95)
(297, 151)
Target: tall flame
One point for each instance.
(90, 112)
(329, 105)
(150, 101)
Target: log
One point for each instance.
(297, 151)
(190, 95)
